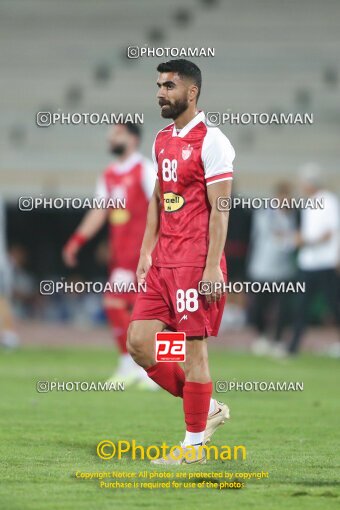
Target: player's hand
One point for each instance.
(214, 275)
(71, 249)
(69, 254)
(144, 264)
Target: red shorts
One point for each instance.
(122, 276)
(172, 297)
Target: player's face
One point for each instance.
(307, 189)
(119, 140)
(173, 95)
(283, 193)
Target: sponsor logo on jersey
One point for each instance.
(186, 151)
(172, 202)
(119, 216)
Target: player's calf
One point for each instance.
(196, 392)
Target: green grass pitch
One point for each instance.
(46, 438)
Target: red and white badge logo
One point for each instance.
(186, 152)
(170, 346)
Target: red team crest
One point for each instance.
(186, 152)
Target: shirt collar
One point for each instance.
(200, 117)
(131, 161)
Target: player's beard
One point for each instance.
(174, 110)
(118, 149)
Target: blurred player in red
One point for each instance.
(130, 177)
(184, 244)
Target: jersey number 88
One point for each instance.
(169, 170)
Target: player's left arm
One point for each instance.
(217, 157)
(218, 228)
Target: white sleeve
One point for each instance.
(155, 164)
(101, 189)
(148, 178)
(326, 219)
(331, 213)
(217, 155)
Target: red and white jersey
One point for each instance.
(134, 181)
(186, 163)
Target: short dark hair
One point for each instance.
(183, 68)
(133, 128)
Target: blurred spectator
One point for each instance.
(79, 308)
(23, 284)
(318, 258)
(8, 334)
(236, 249)
(237, 244)
(271, 259)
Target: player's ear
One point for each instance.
(193, 92)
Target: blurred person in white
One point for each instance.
(318, 257)
(8, 335)
(271, 259)
(130, 177)
(23, 284)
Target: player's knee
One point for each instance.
(135, 342)
(196, 362)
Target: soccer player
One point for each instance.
(130, 177)
(183, 244)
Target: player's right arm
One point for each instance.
(89, 226)
(150, 235)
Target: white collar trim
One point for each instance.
(131, 161)
(200, 117)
